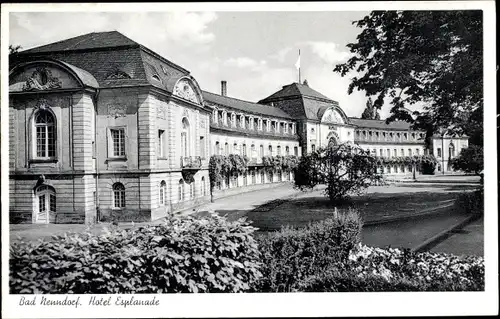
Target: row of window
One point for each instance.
(388, 136)
(388, 153)
(232, 119)
(45, 138)
(451, 151)
(252, 177)
(242, 150)
(184, 192)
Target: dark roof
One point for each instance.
(105, 54)
(300, 101)
(245, 106)
(94, 40)
(295, 89)
(380, 124)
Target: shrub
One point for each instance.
(293, 254)
(470, 160)
(182, 255)
(471, 203)
(345, 169)
(377, 269)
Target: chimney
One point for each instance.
(223, 88)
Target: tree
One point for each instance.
(432, 57)
(345, 169)
(470, 160)
(13, 49)
(370, 112)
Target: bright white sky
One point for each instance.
(255, 52)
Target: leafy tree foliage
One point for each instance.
(470, 160)
(434, 57)
(344, 168)
(13, 49)
(370, 112)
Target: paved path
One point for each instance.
(467, 241)
(234, 205)
(239, 205)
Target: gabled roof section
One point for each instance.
(295, 90)
(245, 106)
(111, 58)
(380, 124)
(89, 41)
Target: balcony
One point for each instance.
(191, 162)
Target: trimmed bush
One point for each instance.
(293, 254)
(471, 203)
(182, 255)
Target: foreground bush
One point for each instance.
(291, 255)
(376, 269)
(182, 255)
(471, 203)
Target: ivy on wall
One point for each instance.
(221, 167)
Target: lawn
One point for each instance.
(377, 203)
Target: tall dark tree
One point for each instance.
(370, 112)
(434, 57)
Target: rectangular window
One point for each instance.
(313, 148)
(278, 150)
(418, 151)
(262, 151)
(161, 143)
(296, 151)
(93, 149)
(118, 142)
(439, 152)
(402, 152)
(52, 202)
(395, 152)
(409, 152)
(202, 146)
(41, 203)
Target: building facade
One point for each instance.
(103, 129)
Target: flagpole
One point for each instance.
(299, 67)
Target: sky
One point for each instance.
(255, 52)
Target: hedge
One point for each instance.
(292, 254)
(182, 255)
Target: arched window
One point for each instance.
(262, 177)
(163, 193)
(217, 146)
(192, 190)
(252, 150)
(261, 151)
(118, 195)
(45, 134)
(185, 138)
(226, 148)
(270, 150)
(46, 202)
(181, 190)
(254, 181)
(244, 150)
(278, 150)
(287, 150)
(203, 186)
